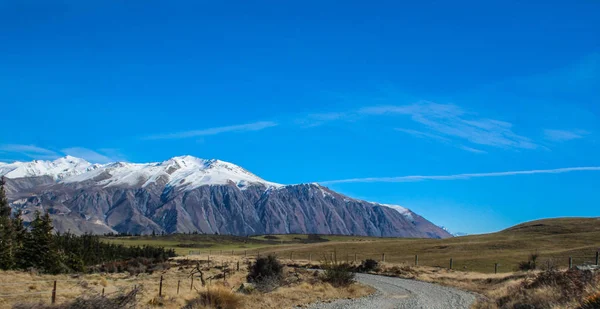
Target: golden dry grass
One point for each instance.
(554, 239)
(70, 287)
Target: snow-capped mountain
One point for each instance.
(457, 234)
(185, 194)
(185, 172)
(58, 169)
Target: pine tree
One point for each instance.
(4, 207)
(39, 249)
(7, 258)
(20, 235)
(52, 260)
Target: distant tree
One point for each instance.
(20, 235)
(39, 249)
(7, 258)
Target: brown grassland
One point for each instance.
(301, 286)
(554, 240)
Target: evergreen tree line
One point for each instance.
(40, 248)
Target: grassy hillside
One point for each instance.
(555, 240)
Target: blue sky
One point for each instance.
(357, 96)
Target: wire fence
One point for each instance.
(174, 284)
(50, 290)
(501, 263)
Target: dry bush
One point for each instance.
(132, 266)
(218, 298)
(122, 301)
(368, 265)
(530, 264)
(406, 272)
(550, 289)
(337, 273)
(266, 273)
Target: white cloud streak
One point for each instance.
(39, 153)
(450, 121)
(461, 176)
(256, 126)
(31, 151)
(564, 135)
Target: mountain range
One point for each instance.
(188, 194)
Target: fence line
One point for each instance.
(350, 256)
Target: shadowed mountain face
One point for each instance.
(187, 194)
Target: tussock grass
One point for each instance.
(219, 298)
(554, 240)
(297, 287)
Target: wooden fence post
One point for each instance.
(570, 262)
(383, 257)
(160, 287)
(209, 260)
(597, 258)
(192, 284)
(354, 257)
(178, 283)
(310, 257)
(495, 268)
(451, 263)
(245, 253)
(238, 265)
(102, 292)
(416, 260)
(231, 252)
(54, 293)
(292, 255)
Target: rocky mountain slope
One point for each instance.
(186, 194)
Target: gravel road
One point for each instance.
(396, 293)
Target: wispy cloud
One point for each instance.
(421, 134)
(255, 126)
(451, 121)
(473, 150)
(461, 176)
(31, 151)
(564, 135)
(315, 120)
(89, 155)
(40, 153)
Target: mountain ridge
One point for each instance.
(185, 194)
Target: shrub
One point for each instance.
(266, 273)
(571, 283)
(530, 264)
(216, 298)
(337, 273)
(550, 287)
(368, 265)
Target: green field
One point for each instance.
(555, 240)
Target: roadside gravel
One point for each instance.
(396, 293)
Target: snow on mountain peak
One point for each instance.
(402, 210)
(185, 172)
(58, 169)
